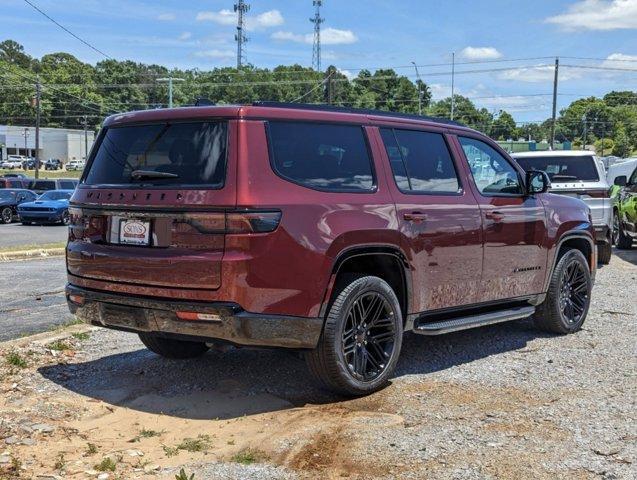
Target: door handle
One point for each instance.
(495, 216)
(415, 217)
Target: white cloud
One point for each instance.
(620, 60)
(215, 53)
(347, 73)
(538, 74)
(598, 15)
(329, 36)
(185, 36)
(166, 17)
(480, 53)
(269, 19)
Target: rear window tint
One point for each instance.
(562, 168)
(168, 154)
(67, 184)
(43, 185)
(322, 156)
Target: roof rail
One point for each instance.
(362, 111)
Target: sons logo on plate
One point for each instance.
(135, 232)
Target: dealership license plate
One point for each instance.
(134, 232)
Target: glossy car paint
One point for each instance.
(291, 270)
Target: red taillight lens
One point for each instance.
(193, 316)
(596, 193)
(86, 227)
(252, 221)
(76, 299)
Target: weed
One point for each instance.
(59, 345)
(106, 465)
(16, 360)
(230, 442)
(91, 449)
(170, 451)
(60, 462)
(249, 456)
(82, 335)
(184, 476)
(149, 433)
(199, 444)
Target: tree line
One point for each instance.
(74, 92)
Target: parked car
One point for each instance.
(578, 174)
(50, 207)
(14, 182)
(12, 161)
(31, 163)
(10, 198)
(41, 186)
(15, 175)
(625, 167)
(53, 164)
(324, 230)
(75, 165)
(625, 218)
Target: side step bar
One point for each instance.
(464, 323)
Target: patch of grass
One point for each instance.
(16, 360)
(182, 475)
(91, 449)
(199, 444)
(59, 345)
(170, 451)
(249, 456)
(82, 335)
(146, 433)
(230, 442)
(106, 465)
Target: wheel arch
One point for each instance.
(578, 240)
(375, 260)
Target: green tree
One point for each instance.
(622, 146)
(503, 127)
(13, 53)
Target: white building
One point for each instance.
(63, 143)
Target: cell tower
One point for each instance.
(316, 48)
(241, 8)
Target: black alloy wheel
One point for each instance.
(573, 297)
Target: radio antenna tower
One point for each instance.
(241, 8)
(316, 48)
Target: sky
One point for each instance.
(517, 41)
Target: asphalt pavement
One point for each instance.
(16, 235)
(32, 296)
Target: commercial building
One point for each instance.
(63, 143)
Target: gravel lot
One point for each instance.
(498, 402)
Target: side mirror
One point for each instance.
(621, 181)
(537, 182)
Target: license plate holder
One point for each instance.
(133, 231)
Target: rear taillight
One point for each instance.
(194, 316)
(86, 227)
(251, 221)
(596, 193)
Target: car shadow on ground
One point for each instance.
(627, 255)
(244, 382)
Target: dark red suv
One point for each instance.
(326, 230)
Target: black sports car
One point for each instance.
(10, 198)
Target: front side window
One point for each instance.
(492, 173)
(633, 178)
(420, 161)
(161, 154)
(321, 156)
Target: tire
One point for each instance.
(65, 218)
(604, 252)
(6, 215)
(343, 362)
(623, 241)
(556, 315)
(26, 223)
(169, 348)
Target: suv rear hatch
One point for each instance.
(575, 176)
(151, 208)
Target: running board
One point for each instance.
(464, 323)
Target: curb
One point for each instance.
(31, 254)
(48, 337)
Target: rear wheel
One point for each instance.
(6, 215)
(65, 218)
(604, 252)
(361, 339)
(566, 305)
(170, 348)
(622, 241)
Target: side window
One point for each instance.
(493, 173)
(322, 156)
(420, 161)
(633, 178)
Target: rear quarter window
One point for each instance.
(327, 157)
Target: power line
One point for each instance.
(67, 30)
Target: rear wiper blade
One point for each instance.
(567, 177)
(146, 174)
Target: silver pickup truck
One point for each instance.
(579, 174)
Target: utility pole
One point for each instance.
(169, 80)
(585, 132)
(26, 134)
(316, 46)
(420, 92)
(241, 8)
(453, 76)
(38, 114)
(553, 117)
(85, 125)
(329, 88)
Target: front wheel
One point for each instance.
(568, 299)
(360, 344)
(170, 348)
(6, 215)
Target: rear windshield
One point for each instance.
(55, 195)
(43, 185)
(161, 154)
(562, 168)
